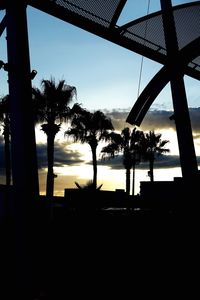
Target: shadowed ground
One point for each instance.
(88, 252)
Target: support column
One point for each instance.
(23, 146)
(24, 160)
(181, 113)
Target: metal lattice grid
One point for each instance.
(144, 36)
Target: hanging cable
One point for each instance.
(142, 59)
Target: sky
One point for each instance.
(106, 77)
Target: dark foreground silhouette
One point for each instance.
(81, 247)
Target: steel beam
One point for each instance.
(23, 145)
(182, 119)
(24, 160)
(2, 25)
(159, 81)
(113, 33)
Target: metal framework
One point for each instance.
(100, 18)
(157, 36)
(168, 35)
(159, 81)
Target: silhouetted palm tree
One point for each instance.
(88, 186)
(136, 152)
(51, 105)
(153, 145)
(128, 143)
(5, 122)
(91, 128)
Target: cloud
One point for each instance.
(158, 119)
(154, 119)
(62, 155)
(195, 119)
(161, 162)
(118, 118)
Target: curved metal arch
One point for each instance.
(159, 81)
(147, 97)
(155, 14)
(2, 25)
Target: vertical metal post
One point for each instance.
(23, 145)
(24, 160)
(182, 119)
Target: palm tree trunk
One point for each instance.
(128, 181)
(151, 163)
(51, 129)
(6, 134)
(94, 161)
(50, 173)
(7, 152)
(133, 179)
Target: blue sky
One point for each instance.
(106, 75)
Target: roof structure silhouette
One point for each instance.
(171, 34)
(144, 36)
(151, 39)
